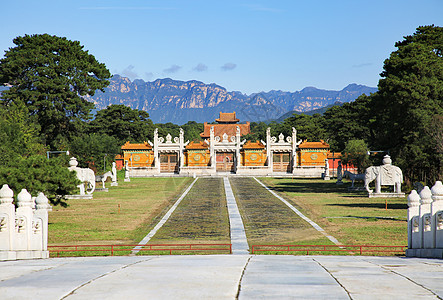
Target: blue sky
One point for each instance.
(247, 46)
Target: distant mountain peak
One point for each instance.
(170, 100)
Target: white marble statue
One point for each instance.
(127, 179)
(326, 176)
(85, 175)
(114, 175)
(387, 174)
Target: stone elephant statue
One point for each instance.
(371, 174)
(85, 175)
(384, 175)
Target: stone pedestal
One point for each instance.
(385, 195)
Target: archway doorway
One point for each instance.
(168, 162)
(225, 161)
(281, 162)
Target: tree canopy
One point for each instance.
(123, 123)
(355, 153)
(50, 75)
(95, 151)
(409, 98)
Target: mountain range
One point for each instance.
(168, 100)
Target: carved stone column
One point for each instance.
(23, 221)
(268, 148)
(7, 219)
(41, 224)
(181, 152)
(237, 148)
(156, 157)
(425, 218)
(414, 241)
(211, 148)
(437, 214)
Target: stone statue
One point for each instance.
(127, 179)
(386, 174)
(114, 175)
(339, 173)
(326, 177)
(85, 175)
(103, 178)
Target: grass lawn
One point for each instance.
(352, 218)
(125, 214)
(201, 217)
(267, 220)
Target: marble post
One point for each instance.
(211, 149)
(41, 224)
(437, 214)
(268, 148)
(425, 218)
(237, 148)
(7, 218)
(414, 236)
(156, 157)
(181, 153)
(23, 222)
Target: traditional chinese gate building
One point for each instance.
(223, 151)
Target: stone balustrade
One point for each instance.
(23, 230)
(425, 222)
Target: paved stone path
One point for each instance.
(238, 236)
(222, 277)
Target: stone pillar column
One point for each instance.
(7, 219)
(156, 157)
(437, 214)
(414, 241)
(41, 223)
(294, 148)
(268, 148)
(237, 148)
(23, 222)
(211, 148)
(181, 152)
(425, 218)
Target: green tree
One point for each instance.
(19, 136)
(168, 128)
(50, 76)
(258, 132)
(192, 131)
(410, 95)
(123, 123)
(356, 154)
(308, 127)
(38, 174)
(349, 121)
(94, 150)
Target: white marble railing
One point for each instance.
(23, 230)
(425, 222)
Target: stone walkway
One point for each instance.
(222, 277)
(238, 235)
